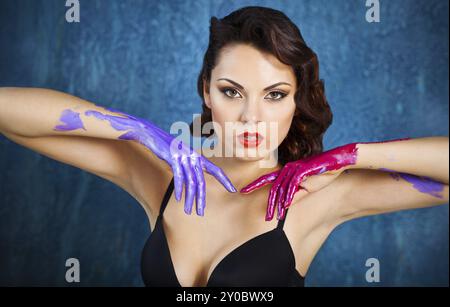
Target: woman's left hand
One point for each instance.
(312, 174)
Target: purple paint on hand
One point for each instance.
(187, 165)
(420, 183)
(71, 121)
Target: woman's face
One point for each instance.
(250, 91)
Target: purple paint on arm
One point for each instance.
(421, 183)
(71, 121)
(185, 168)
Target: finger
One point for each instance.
(282, 214)
(282, 191)
(260, 182)
(178, 178)
(201, 186)
(290, 188)
(289, 202)
(218, 174)
(189, 185)
(273, 194)
(293, 188)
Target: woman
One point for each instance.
(257, 71)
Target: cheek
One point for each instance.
(221, 115)
(282, 120)
(223, 111)
(217, 107)
(284, 129)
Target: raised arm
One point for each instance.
(373, 177)
(93, 135)
(395, 176)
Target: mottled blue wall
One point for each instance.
(383, 80)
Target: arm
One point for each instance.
(38, 112)
(28, 117)
(395, 176)
(42, 113)
(361, 162)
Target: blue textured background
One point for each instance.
(383, 80)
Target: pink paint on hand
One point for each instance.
(287, 181)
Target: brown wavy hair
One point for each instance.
(271, 31)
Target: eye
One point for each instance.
(229, 90)
(232, 93)
(278, 95)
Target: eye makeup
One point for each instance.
(224, 90)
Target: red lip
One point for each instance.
(243, 138)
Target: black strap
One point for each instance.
(281, 222)
(166, 197)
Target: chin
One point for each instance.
(251, 154)
(249, 159)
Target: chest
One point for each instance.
(199, 246)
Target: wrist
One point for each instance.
(359, 151)
(363, 152)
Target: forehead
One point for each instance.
(247, 65)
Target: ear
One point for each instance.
(206, 95)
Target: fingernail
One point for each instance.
(200, 211)
(282, 213)
(178, 196)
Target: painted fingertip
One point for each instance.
(188, 210)
(177, 193)
(227, 184)
(279, 214)
(282, 214)
(200, 212)
(282, 209)
(231, 188)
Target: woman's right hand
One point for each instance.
(187, 165)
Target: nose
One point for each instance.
(250, 112)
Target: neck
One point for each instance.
(242, 172)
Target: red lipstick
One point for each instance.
(250, 139)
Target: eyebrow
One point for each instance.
(242, 88)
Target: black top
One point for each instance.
(263, 261)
